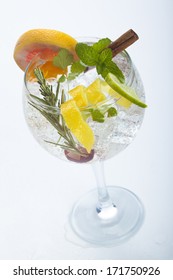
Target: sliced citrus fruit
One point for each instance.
(124, 90)
(120, 99)
(79, 96)
(93, 92)
(46, 43)
(49, 70)
(79, 128)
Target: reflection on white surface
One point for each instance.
(37, 191)
(108, 213)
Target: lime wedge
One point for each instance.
(124, 90)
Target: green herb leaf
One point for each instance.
(52, 116)
(77, 67)
(62, 79)
(100, 69)
(105, 56)
(63, 59)
(112, 112)
(97, 115)
(87, 54)
(111, 67)
(99, 56)
(101, 44)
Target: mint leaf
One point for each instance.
(63, 59)
(100, 69)
(87, 54)
(62, 79)
(111, 67)
(99, 56)
(97, 115)
(101, 44)
(114, 69)
(77, 67)
(105, 56)
(112, 112)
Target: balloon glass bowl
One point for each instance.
(104, 216)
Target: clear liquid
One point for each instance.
(111, 137)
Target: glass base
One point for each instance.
(112, 225)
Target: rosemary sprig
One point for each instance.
(55, 119)
(45, 89)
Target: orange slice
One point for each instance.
(46, 43)
(79, 128)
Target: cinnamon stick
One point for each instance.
(123, 42)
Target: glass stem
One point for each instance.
(104, 200)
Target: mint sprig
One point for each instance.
(101, 44)
(100, 56)
(110, 67)
(87, 54)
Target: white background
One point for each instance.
(37, 190)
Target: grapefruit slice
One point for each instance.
(46, 43)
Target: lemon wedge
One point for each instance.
(94, 94)
(79, 96)
(75, 122)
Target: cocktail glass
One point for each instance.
(106, 215)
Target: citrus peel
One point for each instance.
(45, 43)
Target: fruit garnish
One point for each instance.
(124, 90)
(61, 54)
(94, 94)
(79, 96)
(120, 100)
(49, 98)
(92, 101)
(46, 43)
(75, 122)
